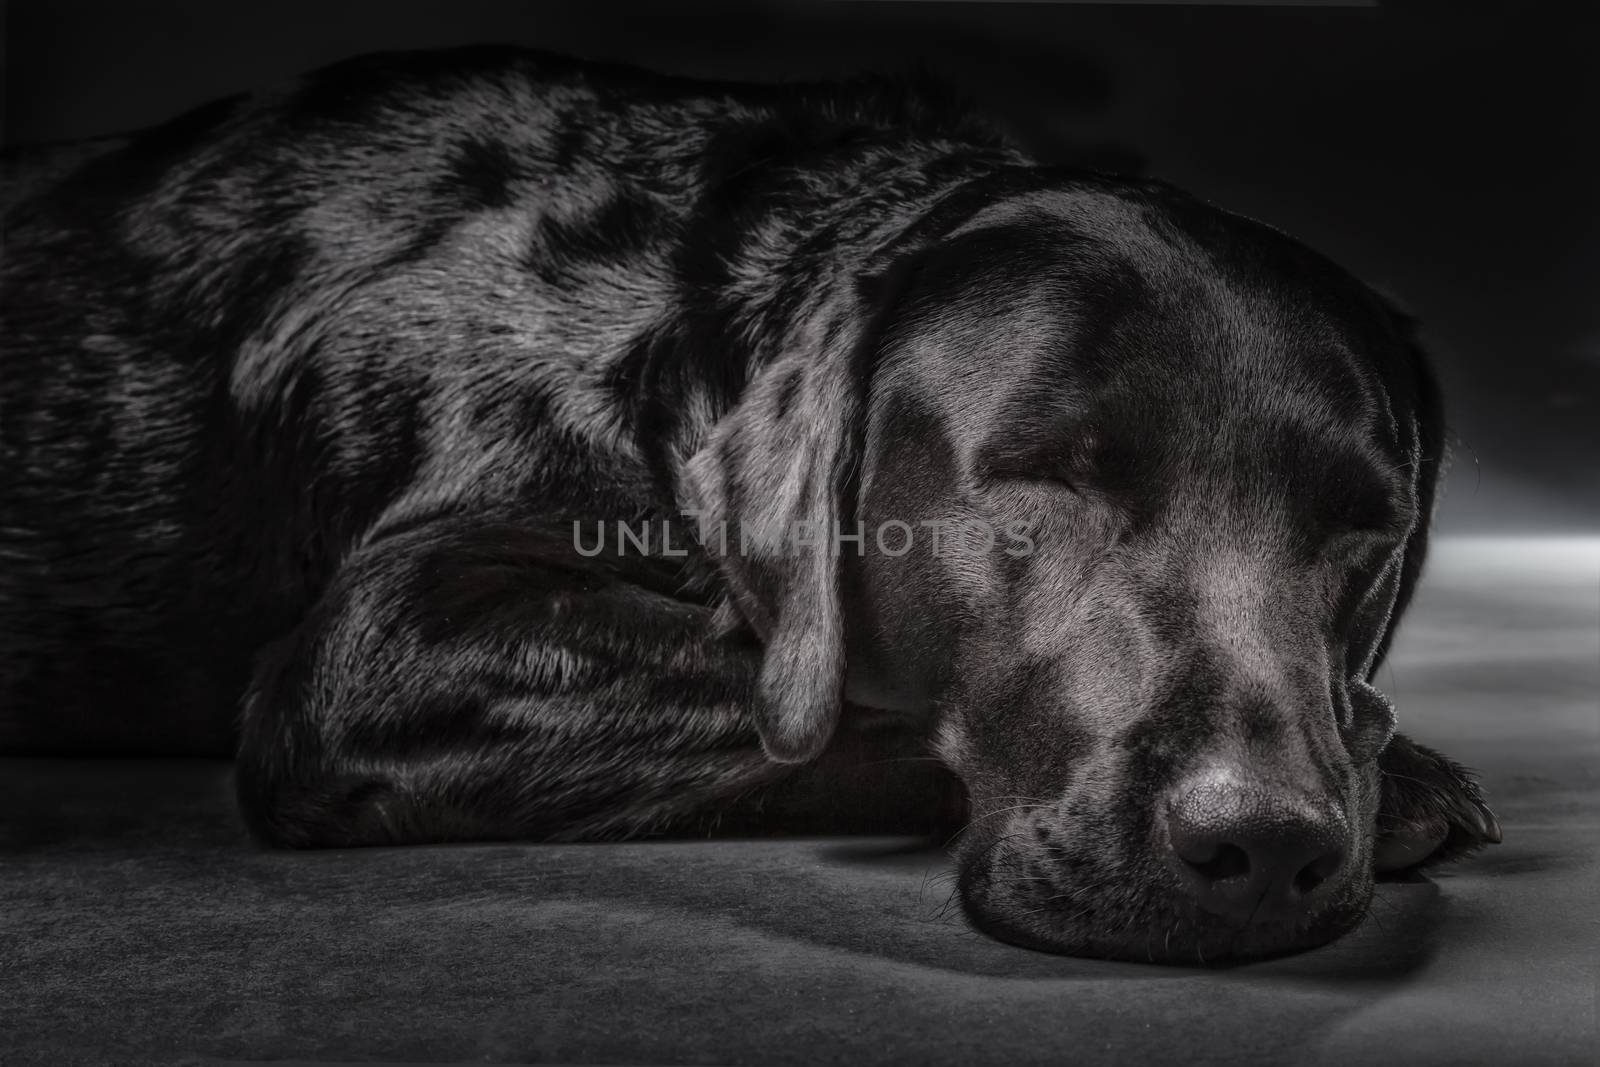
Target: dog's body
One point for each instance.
(305, 392)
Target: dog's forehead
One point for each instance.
(1146, 345)
(1159, 302)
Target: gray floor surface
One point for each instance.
(137, 924)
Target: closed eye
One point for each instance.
(1045, 478)
(1369, 513)
(1037, 468)
(1353, 499)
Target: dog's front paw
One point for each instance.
(1430, 809)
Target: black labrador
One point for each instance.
(483, 444)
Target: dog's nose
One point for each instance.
(1251, 853)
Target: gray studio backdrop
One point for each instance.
(1446, 159)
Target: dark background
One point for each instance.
(1446, 158)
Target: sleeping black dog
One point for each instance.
(482, 444)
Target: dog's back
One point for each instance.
(247, 339)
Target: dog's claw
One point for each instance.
(1490, 825)
(1480, 818)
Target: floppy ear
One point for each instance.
(1419, 417)
(1429, 447)
(771, 488)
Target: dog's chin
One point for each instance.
(1162, 933)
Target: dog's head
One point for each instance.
(1141, 489)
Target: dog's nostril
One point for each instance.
(1317, 871)
(1228, 861)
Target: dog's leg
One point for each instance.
(1430, 809)
(469, 681)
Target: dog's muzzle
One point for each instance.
(1229, 863)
